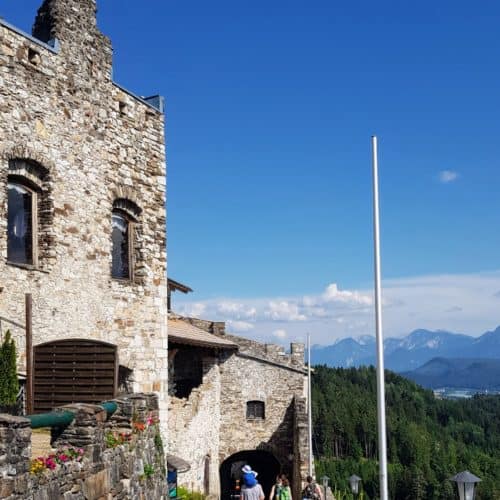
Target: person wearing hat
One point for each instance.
(249, 476)
(251, 489)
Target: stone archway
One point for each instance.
(263, 462)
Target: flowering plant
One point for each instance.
(152, 420)
(62, 456)
(38, 466)
(114, 439)
(138, 426)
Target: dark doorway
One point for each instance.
(262, 462)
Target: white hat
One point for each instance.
(248, 470)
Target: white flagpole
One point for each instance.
(382, 440)
(309, 402)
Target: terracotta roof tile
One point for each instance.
(182, 332)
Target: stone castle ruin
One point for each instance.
(82, 229)
(82, 197)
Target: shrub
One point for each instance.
(184, 494)
(9, 385)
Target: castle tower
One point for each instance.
(72, 26)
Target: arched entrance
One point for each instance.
(262, 462)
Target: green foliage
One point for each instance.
(147, 472)
(184, 494)
(158, 441)
(114, 439)
(9, 385)
(429, 440)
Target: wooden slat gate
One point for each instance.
(74, 371)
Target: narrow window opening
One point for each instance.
(34, 57)
(20, 225)
(255, 410)
(206, 475)
(122, 106)
(121, 242)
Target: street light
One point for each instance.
(354, 482)
(466, 483)
(325, 480)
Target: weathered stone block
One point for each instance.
(96, 485)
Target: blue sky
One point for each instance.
(270, 109)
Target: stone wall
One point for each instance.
(94, 143)
(300, 445)
(194, 425)
(105, 472)
(256, 373)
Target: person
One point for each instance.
(285, 492)
(276, 489)
(249, 476)
(252, 493)
(311, 490)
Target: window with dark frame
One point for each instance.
(122, 245)
(255, 410)
(21, 224)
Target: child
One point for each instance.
(249, 476)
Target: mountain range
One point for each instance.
(453, 372)
(408, 353)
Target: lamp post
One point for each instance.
(354, 482)
(466, 483)
(325, 480)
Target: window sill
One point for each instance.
(27, 267)
(255, 419)
(123, 281)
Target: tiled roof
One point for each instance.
(177, 463)
(182, 332)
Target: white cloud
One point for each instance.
(240, 326)
(280, 334)
(446, 176)
(466, 303)
(194, 309)
(237, 310)
(333, 294)
(284, 311)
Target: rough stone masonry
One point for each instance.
(134, 469)
(84, 145)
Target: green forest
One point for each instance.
(428, 439)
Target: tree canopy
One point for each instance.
(428, 439)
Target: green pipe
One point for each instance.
(52, 419)
(110, 407)
(64, 418)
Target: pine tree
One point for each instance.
(9, 385)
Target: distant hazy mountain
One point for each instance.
(460, 373)
(346, 352)
(410, 352)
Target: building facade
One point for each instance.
(82, 196)
(240, 402)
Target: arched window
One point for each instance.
(21, 223)
(255, 410)
(122, 248)
(27, 185)
(124, 216)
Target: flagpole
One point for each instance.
(309, 403)
(382, 439)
